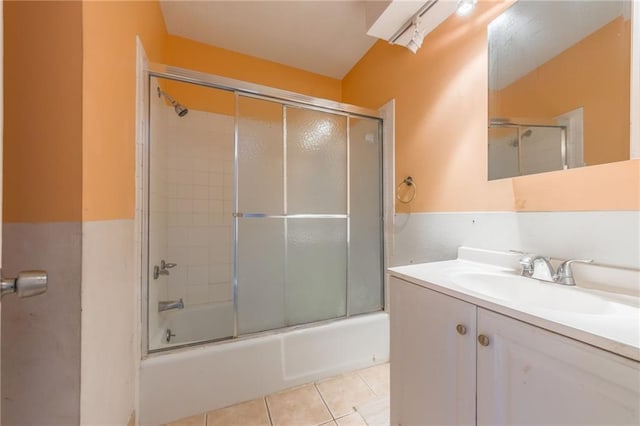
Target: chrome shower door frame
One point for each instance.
(286, 98)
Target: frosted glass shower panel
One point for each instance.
(260, 156)
(316, 270)
(260, 274)
(316, 162)
(365, 242)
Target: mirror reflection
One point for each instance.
(559, 86)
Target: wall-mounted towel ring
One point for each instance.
(411, 184)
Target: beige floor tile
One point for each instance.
(353, 419)
(377, 378)
(342, 393)
(197, 420)
(299, 406)
(250, 413)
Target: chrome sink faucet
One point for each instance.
(564, 274)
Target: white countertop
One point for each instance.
(617, 331)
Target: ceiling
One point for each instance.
(324, 37)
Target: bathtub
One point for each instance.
(199, 378)
(192, 324)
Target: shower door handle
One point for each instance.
(26, 284)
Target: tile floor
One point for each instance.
(328, 402)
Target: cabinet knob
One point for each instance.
(483, 340)
(461, 329)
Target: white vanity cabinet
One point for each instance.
(500, 372)
(527, 375)
(433, 365)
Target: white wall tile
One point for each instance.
(198, 145)
(220, 292)
(608, 237)
(220, 273)
(108, 326)
(197, 294)
(201, 178)
(200, 219)
(197, 275)
(201, 192)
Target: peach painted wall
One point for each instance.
(109, 93)
(441, 129)
(43, 111)
(185, 53)
(566, 82)
(108, 103)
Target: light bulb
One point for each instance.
(465, 7)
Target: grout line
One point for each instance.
(266, 405)
(315, 385)
(366, 383)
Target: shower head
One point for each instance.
(179, 109)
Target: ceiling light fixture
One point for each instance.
(465, 7)
(416, 38)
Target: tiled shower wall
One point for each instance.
(199, 195)
(158, 213)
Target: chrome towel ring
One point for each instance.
(411, 184)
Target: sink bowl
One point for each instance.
(532, 293)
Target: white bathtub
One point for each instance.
(192, 324)
(200, 378)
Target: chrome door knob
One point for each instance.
(27, 284)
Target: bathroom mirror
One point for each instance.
(559, 86)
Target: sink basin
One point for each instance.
(533, 293)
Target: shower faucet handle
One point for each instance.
(163, 269)
(167, 265)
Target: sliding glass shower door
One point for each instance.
(261, 213)
(293, 216)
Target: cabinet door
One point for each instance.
(527, 375)
(432, 365)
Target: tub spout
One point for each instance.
(165, 305)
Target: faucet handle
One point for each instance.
(167, 265)
(527, 265)
(565, 273)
